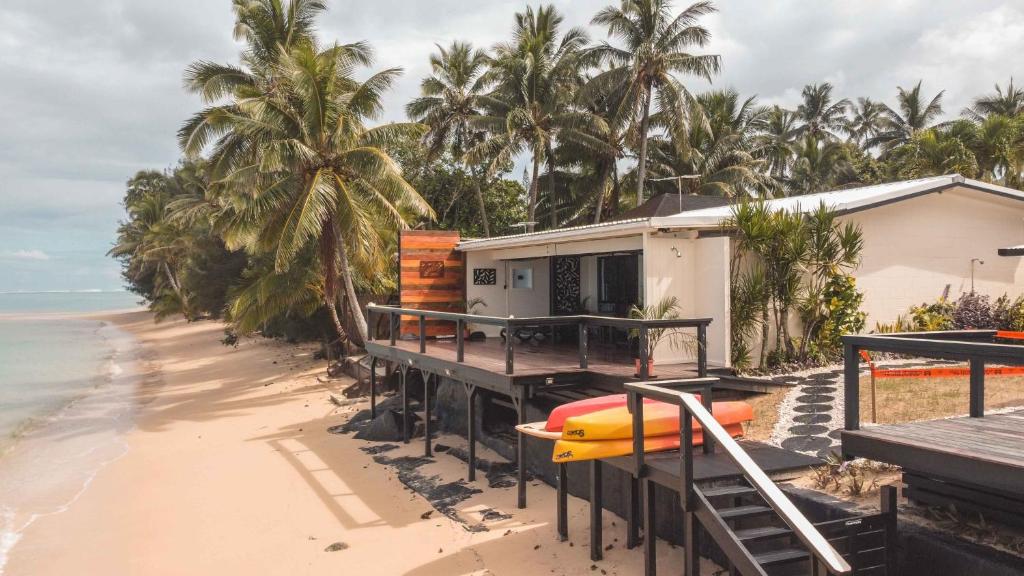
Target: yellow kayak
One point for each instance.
(660, 419)
(580, 450)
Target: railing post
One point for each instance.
(889, 508)
(369, 324)
(706, 398)
(584, 345)
(851, 385)
(977, 387)
(636, 402)
(423, 333)
(509, 348)
(391, 326)
(645, 357)
(686, 495)
(460, 340)
(373, 388)
(702, 350)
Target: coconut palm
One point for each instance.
(714, 146)
(820, 117)
(269, 29)
(915, 113)
(311, 171)
(817, 166)
(1009, 103)
(867, 120)
(534, 76)
(449, 104)
(654, 49)
(934, 152)
(774, 140)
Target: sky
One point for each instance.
(91, 91)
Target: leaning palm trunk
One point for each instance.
(552, 194)
(350, 295)
(481, 206)
(531, 208)
(182, 297)
(329, 259)
(641, 173)
(765, 324)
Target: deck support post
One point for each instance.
(403, 379)
(471, 429)
(633, 514)
(889, 504)
(373, 387)
(517, 401)
(596, 507)
(392, 328)
(650, 532)
(691, 541)
(427, 376)
(977, 387)
(851, 385)
(563, 502)
(687, 498)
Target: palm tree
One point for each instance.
(534, 77)
(774, 140)
(817, 165)
(654, 48)
(714, 146)
(867, 121)
(450, 103)
(269, 28)
(821, 117)
(934, 152)
(913, 116)
(311, 171)
(1009, 103)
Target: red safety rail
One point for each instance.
(941, 371)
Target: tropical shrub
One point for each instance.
(973, 311)
(931, 317)
(1007, 314)
(844, 315)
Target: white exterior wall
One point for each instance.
(711, 295)
(915, 247)
(665, 275)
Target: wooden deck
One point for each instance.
(532, 363)
(663, 467)
(984, 452)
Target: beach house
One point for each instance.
(922, 239)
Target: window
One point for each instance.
(522, 278)
(618, 283)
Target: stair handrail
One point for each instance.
(805, 531)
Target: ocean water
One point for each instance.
(67, 385)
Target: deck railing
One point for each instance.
(696, 507)
(973, 346)
(642, 328)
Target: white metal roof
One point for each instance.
(848, 200)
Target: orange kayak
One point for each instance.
(660, 419)
(558, 416)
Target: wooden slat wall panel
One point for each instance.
(446, 292)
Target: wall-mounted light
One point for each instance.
(677, 252)
(980, 262)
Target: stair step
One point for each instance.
(720, 491)
(743, 512)
(781, 556)
(762, 533)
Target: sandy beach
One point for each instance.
(230, 469)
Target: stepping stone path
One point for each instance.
(811, 415)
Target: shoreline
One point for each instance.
(92, 421)
(230, 468)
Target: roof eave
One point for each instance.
(570, 235)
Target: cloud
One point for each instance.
(26, 255)
(92, 90)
